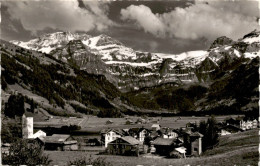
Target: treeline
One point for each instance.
(170, 98)
(55, 82)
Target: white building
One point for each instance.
(40, 134)
(111, 135)
(170, 134)
(156, 127)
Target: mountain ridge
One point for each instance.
(154, 81)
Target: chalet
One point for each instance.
(229, 129)
(139, 133)
(156, 127)
(191, 124)
(60, 142)
(181, 150)
(193, 143)
(129, 122)
(124, 146)
(39, 134)
(140, 121)
(109, 122)
(255, 123)
(246, 125)
(170, 133)
(111, 135)
(234, 122)
(164, 146)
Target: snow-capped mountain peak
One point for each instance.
(48, 42)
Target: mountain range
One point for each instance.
(202, 80)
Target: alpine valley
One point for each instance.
(71, 73)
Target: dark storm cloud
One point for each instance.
(12, 28)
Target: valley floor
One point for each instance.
(236, 149)
(95, 124)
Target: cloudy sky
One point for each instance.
(155, 26)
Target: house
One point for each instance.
(191, 124)
(140, 121)
(255, 123)
(60, 142)
(39, 134)
(111, 135)
(181, 150)
(246, 125)
(129, 122)
(109, 122)
(163, 146)
(171, 133)
(193, 143)
(139, 133)
(229, 129)
(124, 146)
(156, 127)
(233, 122)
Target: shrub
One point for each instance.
(175, 155)
(90, 161)
(22, 152)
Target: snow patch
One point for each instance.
(251, 40)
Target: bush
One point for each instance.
(90, 161)
(175, 155)
(22, 152)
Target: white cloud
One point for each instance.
(196, 21)
(59, 14)
(144, 18)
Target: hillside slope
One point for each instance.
(56, 86)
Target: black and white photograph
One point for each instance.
(130, 82)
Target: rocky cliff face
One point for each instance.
(131, 70)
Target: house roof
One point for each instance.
(196, 134)
(39, 131)
(131, 140)
(56, 138)
(138, 130)
(231, 127)
(181, 149)
(193, 134)
(118, 131)
(156, 125)
(163, 141)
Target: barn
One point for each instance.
(124, 146)
(60, 142)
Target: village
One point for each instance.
(153, 141)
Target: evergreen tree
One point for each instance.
(15, 106)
